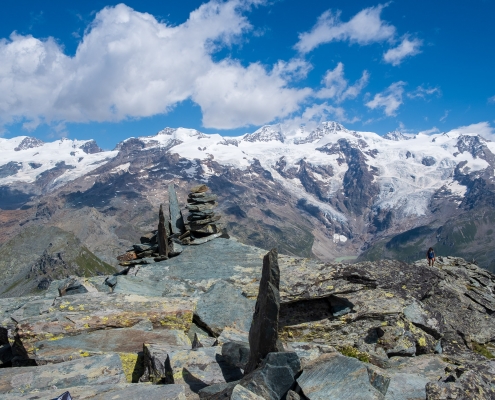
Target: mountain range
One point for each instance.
(329, 192)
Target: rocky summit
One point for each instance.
(198, 315)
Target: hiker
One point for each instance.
(430, 256)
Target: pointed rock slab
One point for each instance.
(93, 371)
(162, 234)
(105, 392)
(335, 376)
(263, 334)
(223, 305)
(199, 189)
(176, 220)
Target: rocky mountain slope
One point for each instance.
(330, 192)
(372, 330)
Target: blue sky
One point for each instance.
(109, 70)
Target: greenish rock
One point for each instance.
(338, 377)
(119, 391)
(123, 340)
(41, 254)
(97, 370)
(223, 305)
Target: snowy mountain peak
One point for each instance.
(29, 143)
(325, 128)
(266, 133)
(398, 135)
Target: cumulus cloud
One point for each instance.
(364, 28)
(390, 99)
(129, 65)
(406, 48)
(424, 92)
(338, 88)
(483, 129)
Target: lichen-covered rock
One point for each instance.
(98, 370)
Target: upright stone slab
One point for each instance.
(263, 334)
(176, 220)
(162, 234)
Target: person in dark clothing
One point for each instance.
(430, 256)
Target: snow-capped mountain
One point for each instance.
(331, 192)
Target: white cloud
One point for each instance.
(337, 87)
(481, 128)
(430, 131)
(423, 92)
(405, 49)
(445, 115)
(491, 99)
(364, 28)
(390, 99)
(130, 65)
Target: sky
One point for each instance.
(107, 71)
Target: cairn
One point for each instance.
(202, 220)
(166, 242)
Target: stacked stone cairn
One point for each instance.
(172, 232)
(202, 219)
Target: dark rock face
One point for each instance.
(90, 147)
(428, 161)
(29, 143)
(263, 335)
(9, 169)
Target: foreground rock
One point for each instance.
(263, 335)
(395, 330)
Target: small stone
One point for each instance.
(147, 253)
(199, 189)
(205, 221)
(141, 247)
(201, 207)
(205, 199)
(210, 228)
(130, 255)
(111, 281)
(174, 249)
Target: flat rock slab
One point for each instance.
(223, 305)
(339, 377)
(123, 340)
(152, 286)
(73, 315)
(219, 259)
(98, 370)
(241, 393)
(107, 392)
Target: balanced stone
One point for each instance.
(199, 189)
(205, 199)
(197, 195)
(201, 207)
(212, 228)
(205, 221)
(194, 216)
